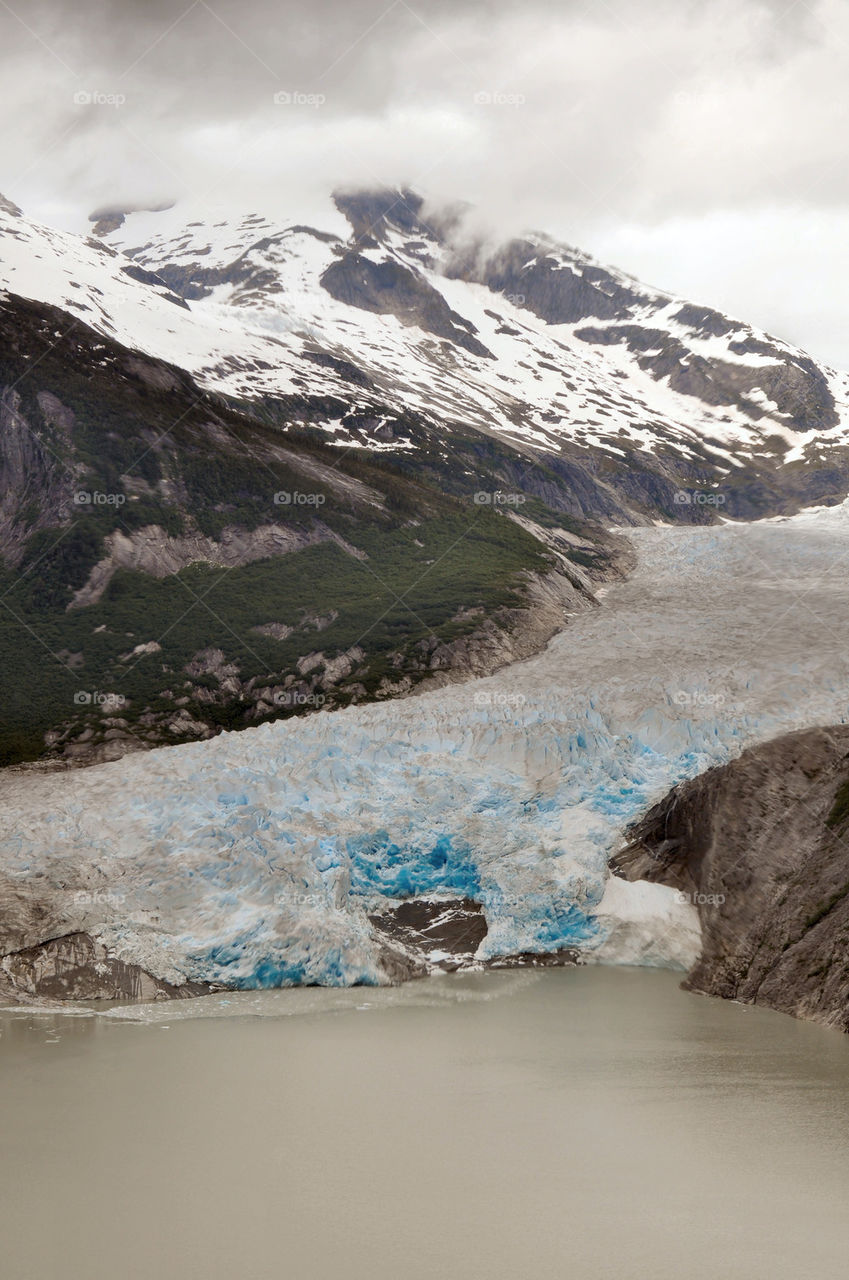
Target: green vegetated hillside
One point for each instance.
(172, 566)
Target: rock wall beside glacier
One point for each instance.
(760, 847)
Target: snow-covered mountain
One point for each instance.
(386, 327)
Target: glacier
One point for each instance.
(255, 859)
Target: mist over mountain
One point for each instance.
(694, 146)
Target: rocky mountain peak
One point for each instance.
(9, 206)
(111, 218)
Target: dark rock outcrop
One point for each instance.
(433, 933)
(9, 206)
(151, 277)
(557, 292)
(390, 288)
(35, 482)
(428, 934)
(110, 217)
(793, 383)
(373, 213)
(761, 847)
(77, 967)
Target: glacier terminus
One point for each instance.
(258, 858)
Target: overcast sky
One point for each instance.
(699, 145)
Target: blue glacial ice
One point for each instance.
(255, 859)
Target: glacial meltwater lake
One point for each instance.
(584, 1124)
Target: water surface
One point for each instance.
(571, 1123)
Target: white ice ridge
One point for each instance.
(255, 858)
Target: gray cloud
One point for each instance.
(701, 144)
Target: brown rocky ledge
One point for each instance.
(77, 967)
(761, 846)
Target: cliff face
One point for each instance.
(761, 847)
(77, 967)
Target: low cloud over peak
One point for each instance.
(677, 138)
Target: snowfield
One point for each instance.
(254, 330)
(255, 858)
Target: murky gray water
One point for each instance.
(573, 1123)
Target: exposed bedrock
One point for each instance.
(761, 847)
(77, 967)
(391, 288)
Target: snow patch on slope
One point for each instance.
(249, 330)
